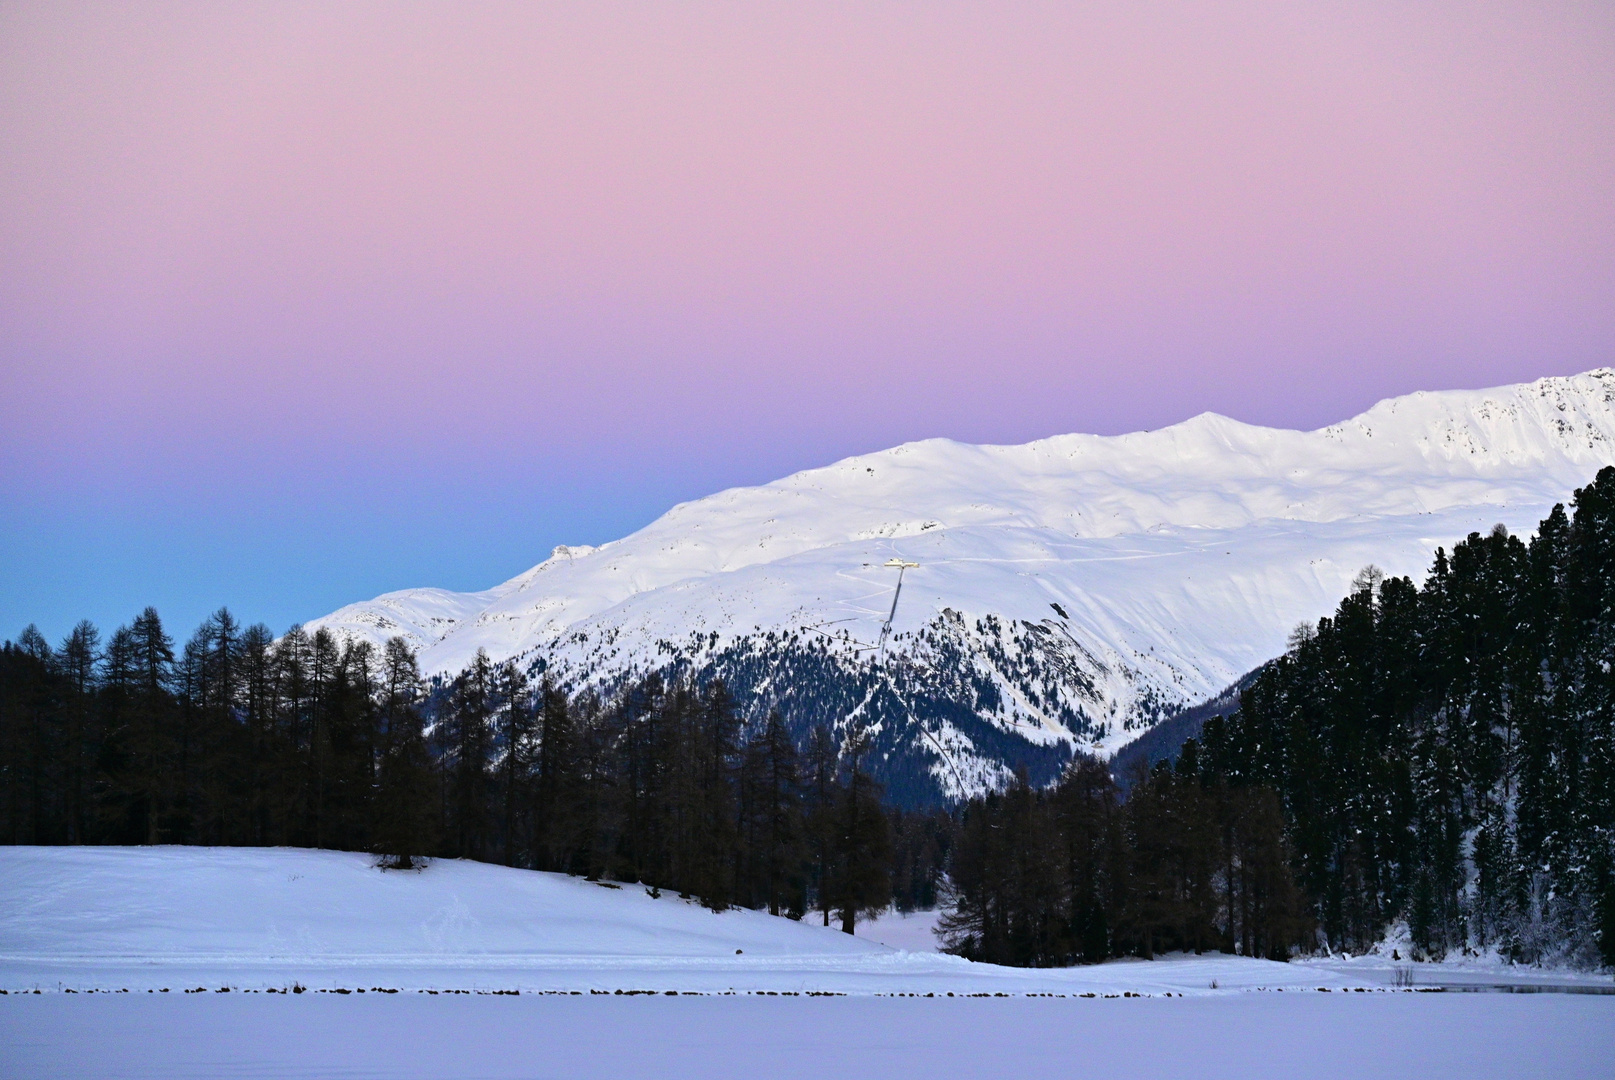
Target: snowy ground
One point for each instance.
(165, 962)
(914, 931)
(179, 918)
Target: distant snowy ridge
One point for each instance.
(1070, 591)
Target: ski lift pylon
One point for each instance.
(901, 565)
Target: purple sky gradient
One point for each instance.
(303, 303)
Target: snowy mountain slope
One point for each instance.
(1070, 591)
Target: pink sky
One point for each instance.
(589, 259)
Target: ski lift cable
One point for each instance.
(903, 565)
(941, 752)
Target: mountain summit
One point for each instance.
(1069, 592)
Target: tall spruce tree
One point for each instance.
(858, 878)
(403, 819)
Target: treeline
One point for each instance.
(240, 738)
(1073, 874)
(1445, 755)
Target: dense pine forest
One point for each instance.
(1436, 762)
(239, 738)
(1445, 755)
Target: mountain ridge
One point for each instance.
(1070, 591)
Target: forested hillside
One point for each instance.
(1441, 757)
(1445, 754)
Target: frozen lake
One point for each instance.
(413, 1035)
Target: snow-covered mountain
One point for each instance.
(1069, 592)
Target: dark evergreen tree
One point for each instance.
(152, 727)
(403, 821)
(819, 815)
(515, 723)
(77, 663)
(465, 754)
(556, 843)
(771, 821)
(1088, 821)
(857, 881)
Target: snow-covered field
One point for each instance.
(409, 975)
(111, 919)
(914, 931)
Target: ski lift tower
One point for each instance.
(886, 627)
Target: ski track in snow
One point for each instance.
(1181, 558)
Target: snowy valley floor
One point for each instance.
(102, 933)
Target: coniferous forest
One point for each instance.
(1445, 754)
(239, 738)
(1438, 760)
